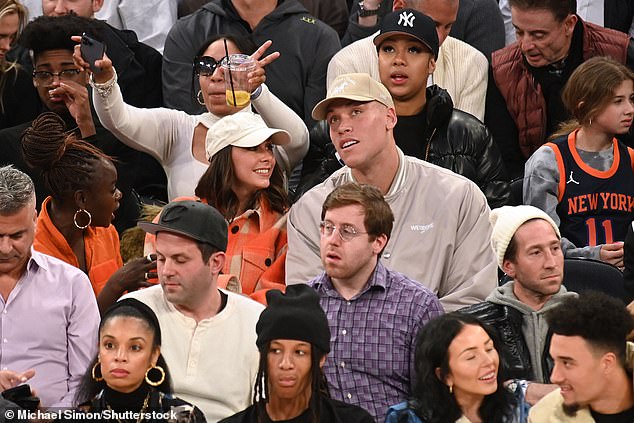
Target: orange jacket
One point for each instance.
(101, 248)
(256, 252)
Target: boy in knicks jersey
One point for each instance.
(584, 177)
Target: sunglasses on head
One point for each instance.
(206, 65)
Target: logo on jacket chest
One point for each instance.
(422, 228)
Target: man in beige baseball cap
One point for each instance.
(442, 231)
(356, 87)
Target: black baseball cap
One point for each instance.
(192, 219)
(413, 23)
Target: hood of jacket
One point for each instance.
(504, 295)
(534, 326)
(439, 106)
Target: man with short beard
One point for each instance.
(527, 244)
(592, 363)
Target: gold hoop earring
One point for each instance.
(200, 98)
(94, 372)
(77, 225)
(451, 389)
(161, 380)
(590, 124)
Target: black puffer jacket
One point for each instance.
(458, 141)
(454, 140)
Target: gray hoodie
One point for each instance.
(534, 326)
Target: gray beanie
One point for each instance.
(506, 220)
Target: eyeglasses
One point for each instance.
(346, 232)
(46, 77)
(206, 65)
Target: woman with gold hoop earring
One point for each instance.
(129, 374)
(75, 221)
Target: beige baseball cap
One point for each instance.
(353, 86)
(242, 130)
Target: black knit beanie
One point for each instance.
(295, 314)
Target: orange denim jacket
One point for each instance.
(101, 248)
(256, 252)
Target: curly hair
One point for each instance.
(601, 320)
(432, 401)
(46, 33)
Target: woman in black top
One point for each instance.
(129, 378)
(293, 339)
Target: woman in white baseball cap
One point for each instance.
(245, 184)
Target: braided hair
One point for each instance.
(66, 163)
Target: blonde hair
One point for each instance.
(10, 7)
(589, 90)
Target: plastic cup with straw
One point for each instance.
(237, 68)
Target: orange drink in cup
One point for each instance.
(237, 68)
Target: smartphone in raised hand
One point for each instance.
(92, 50)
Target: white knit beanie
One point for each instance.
(506, 220)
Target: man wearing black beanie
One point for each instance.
(293, 338)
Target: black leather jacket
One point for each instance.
(460, 142)
(457, 141)
(515, 358)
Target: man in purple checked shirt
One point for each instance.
(374, 313)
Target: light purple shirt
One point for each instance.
(50, 323)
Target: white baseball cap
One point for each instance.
(242, 130)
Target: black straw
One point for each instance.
(235, 102)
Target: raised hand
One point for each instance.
(258, 76)
(105, 64)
